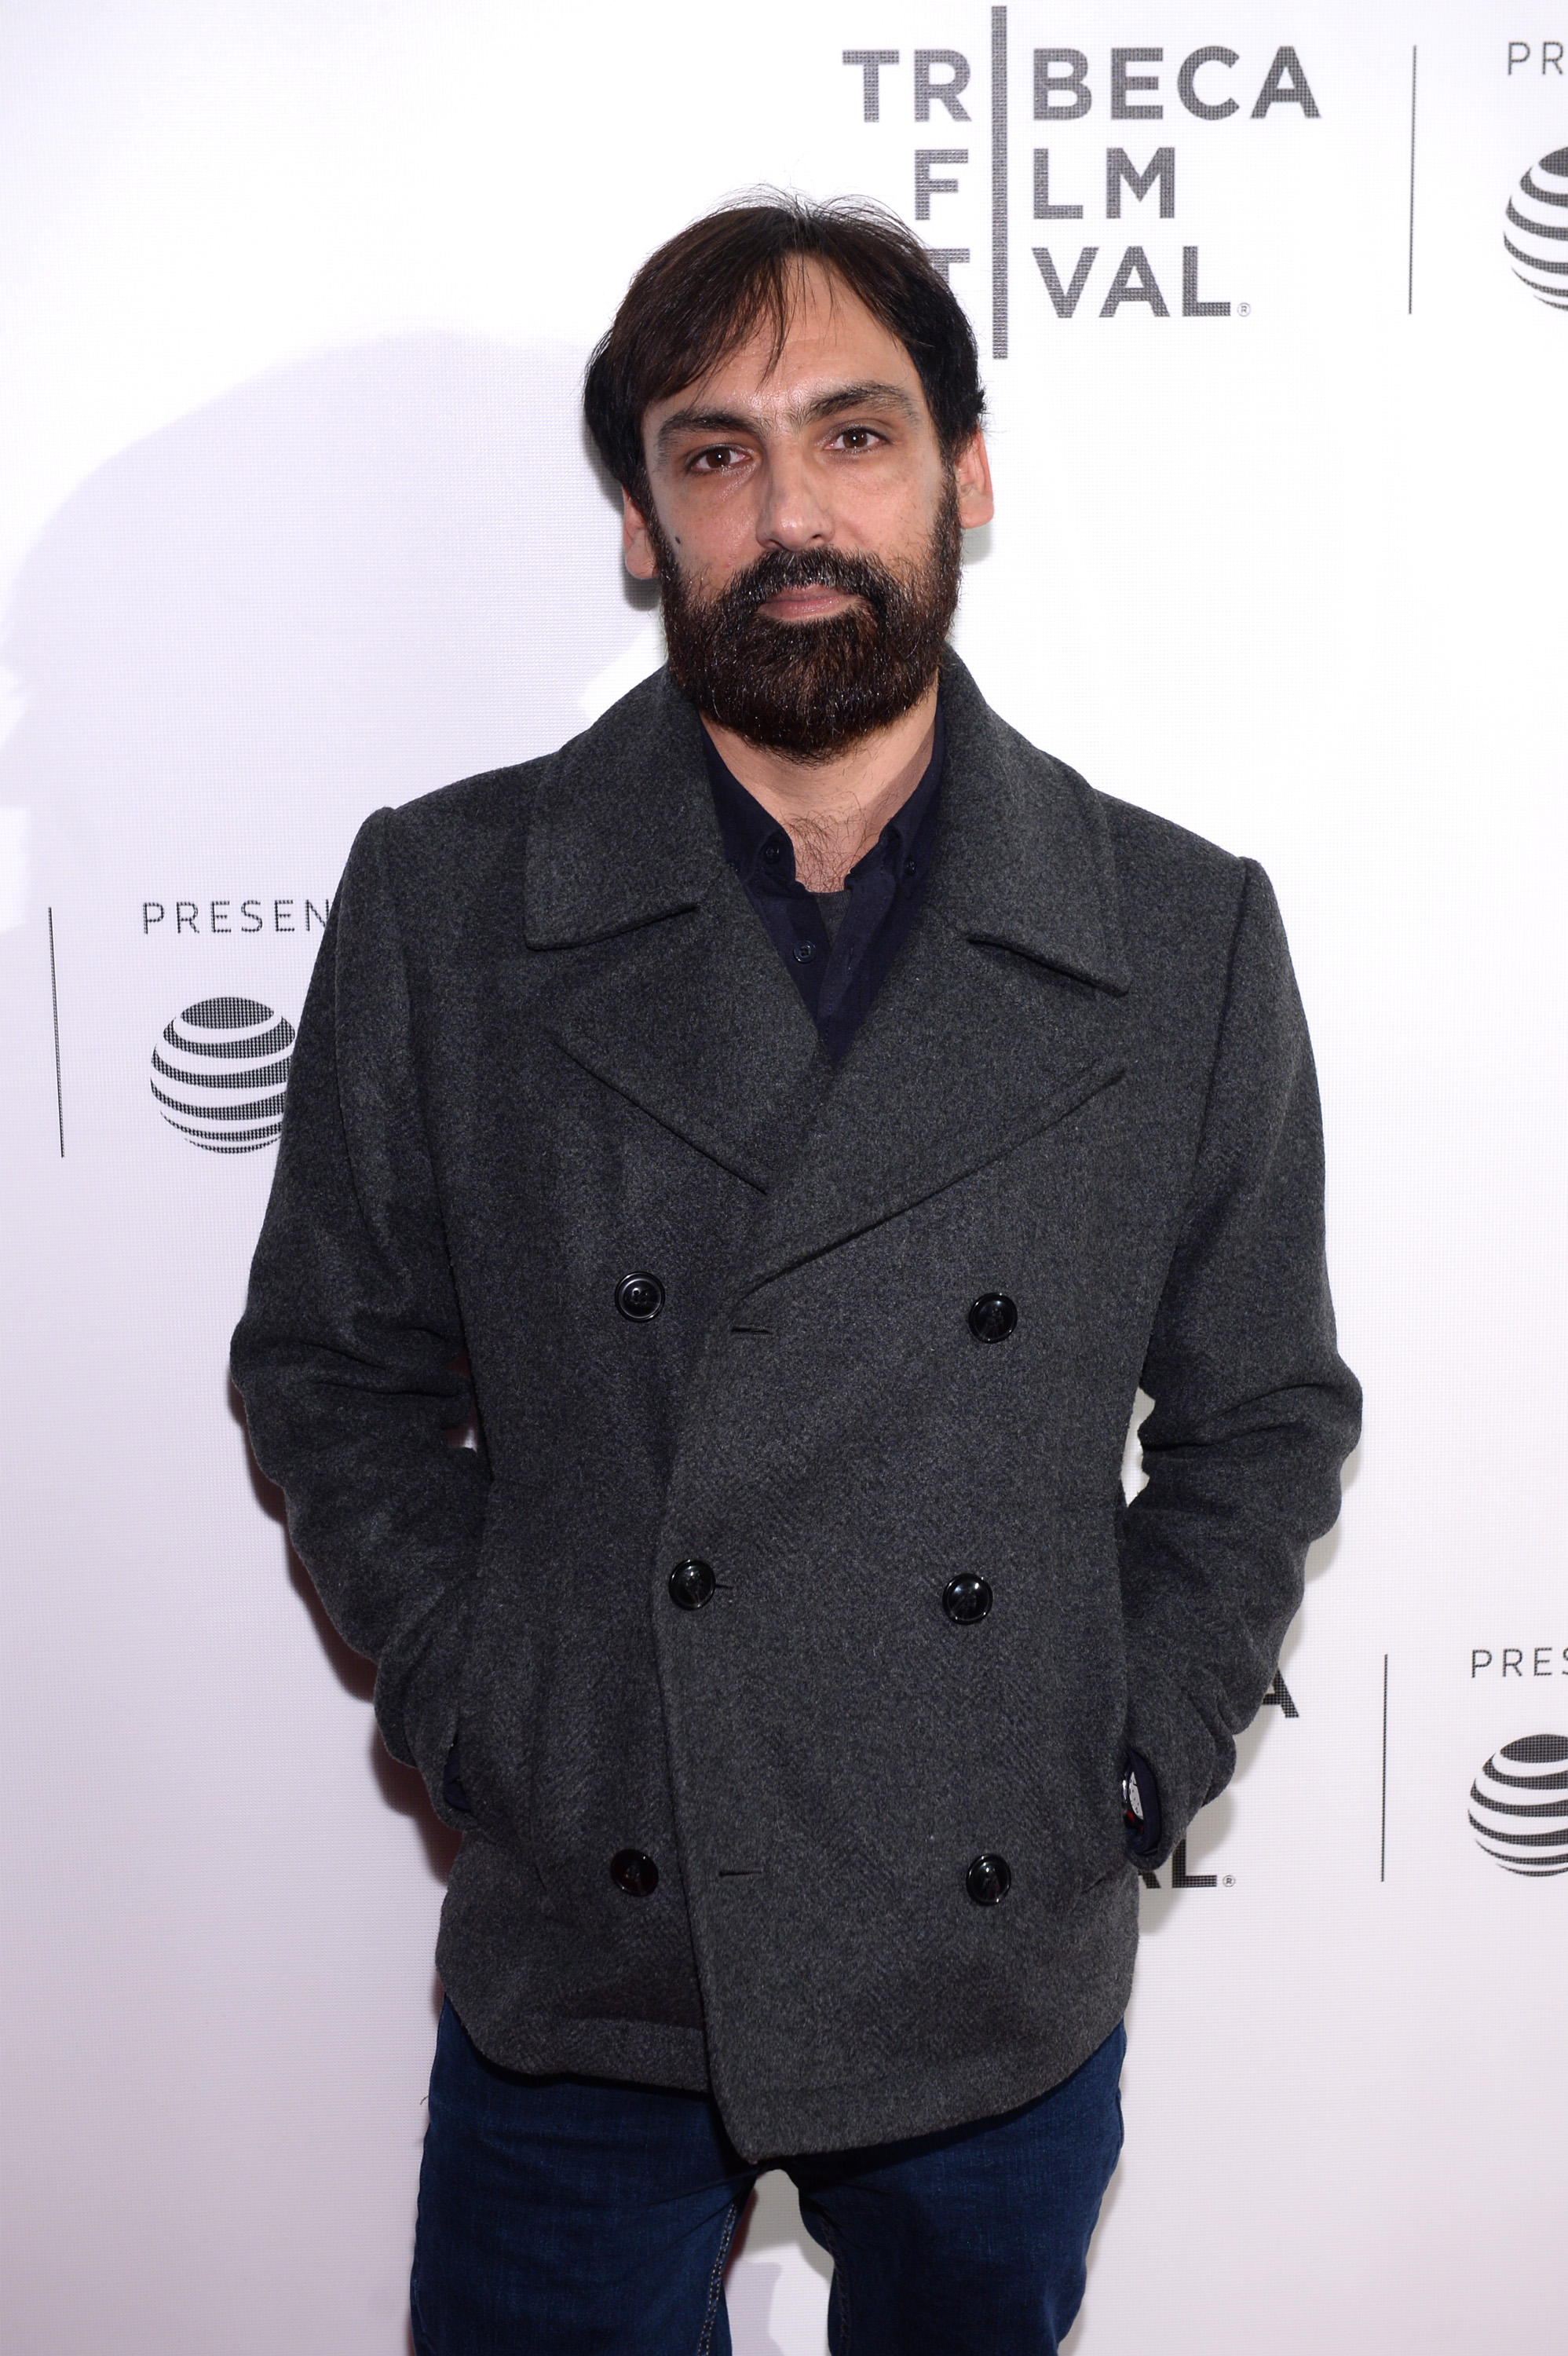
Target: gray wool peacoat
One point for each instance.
(547, 1045)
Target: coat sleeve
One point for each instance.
(347, 1355)
(1255, 1411)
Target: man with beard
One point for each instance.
(790, 1122)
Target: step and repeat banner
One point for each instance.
(298, 520)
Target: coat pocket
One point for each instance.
(597, 1779)
(1082, 1645)
(490, 1752)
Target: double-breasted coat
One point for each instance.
(691, 1598)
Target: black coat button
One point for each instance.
(988, 1880)
(639, 1298)
(635, 1873)
(690, 1584)
(966, 1598)
(993, 1317)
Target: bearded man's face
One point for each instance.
(808, 688)
(805, 523)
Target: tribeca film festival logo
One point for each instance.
(219, 1071)
(1537, 231)
(1126, 85)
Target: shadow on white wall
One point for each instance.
(345, 583)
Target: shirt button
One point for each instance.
(804, 951)
(910, 868)
(772, 852)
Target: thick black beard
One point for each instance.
(808, 689)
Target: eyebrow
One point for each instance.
(868, 395)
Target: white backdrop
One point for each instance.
(297, 520)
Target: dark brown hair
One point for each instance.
(705, 291)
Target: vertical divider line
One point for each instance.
(55, 1002)
(1383, 1837)
(1409, 257)
(998, 184)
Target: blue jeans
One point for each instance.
(577, 2217)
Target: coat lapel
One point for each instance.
(696, 1022)
(998, 1019)
(957, 1062)
(684, 1007)
(1001, 1016)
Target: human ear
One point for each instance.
(636, 541)
(972, 478)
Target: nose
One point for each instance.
(792, 513)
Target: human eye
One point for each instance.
(717, 460)
(856, 438)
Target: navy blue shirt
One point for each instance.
(837, 946)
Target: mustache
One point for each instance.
(779, 569)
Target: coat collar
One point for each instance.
(623, 829)
(685, 1007)
(623, 833)
(1023, 854)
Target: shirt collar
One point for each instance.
(748, 830)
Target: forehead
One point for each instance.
(830, 340)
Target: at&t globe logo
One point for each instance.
(1537, 232)
(1518, 1805)
(218, 1074)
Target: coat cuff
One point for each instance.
(419, 1690)
(1166, 1733)
(1144, 1816)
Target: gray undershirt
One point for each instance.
(832, 905)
